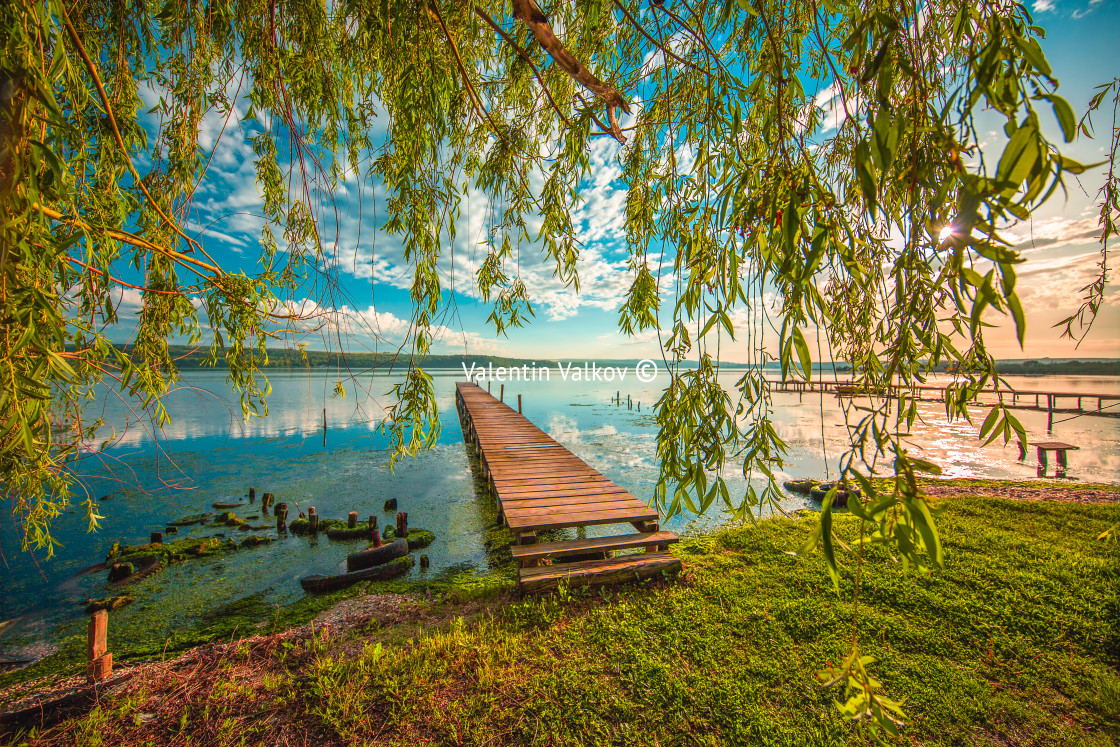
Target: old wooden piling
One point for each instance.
(99, 662)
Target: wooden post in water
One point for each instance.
(98, 661)
(157, 538)
(313, 520)
(252, 494)
(519, 404)
(372, 526)
(502, 394)
(352, 520)
(281, 517)
(1049, 413)
(375, 540)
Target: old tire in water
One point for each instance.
(376, 555)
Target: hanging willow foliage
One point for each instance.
(881, 232)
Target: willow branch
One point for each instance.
(528, 12)
(525, 56)
(127, 238)
(634, 22)
(476, 100)
(117, 133)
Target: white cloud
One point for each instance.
(1052, 233)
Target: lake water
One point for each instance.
(209, 454)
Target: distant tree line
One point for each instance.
(1059, 367)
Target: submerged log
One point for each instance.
(375, 556)
(392, 569)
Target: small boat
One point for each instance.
(374, 556)
(392, 569)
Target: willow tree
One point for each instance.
(877, 233)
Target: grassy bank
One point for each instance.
(1016, 641)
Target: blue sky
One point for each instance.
(373, 278)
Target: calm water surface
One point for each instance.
(209, 454)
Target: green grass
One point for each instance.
(1015, 641)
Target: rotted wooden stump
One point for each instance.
(402, 524)
(352, 520)
(375, 539)
(157, 538)
(424, 561)
(252, 494)
(312, 520)
(372, 523)
(281, 517)
(266, 501)
(391, 504)
(99, 663)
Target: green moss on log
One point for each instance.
(108, 603)
(419, 538)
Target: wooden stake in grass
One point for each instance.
(98, 661)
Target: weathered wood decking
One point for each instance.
(539, 485)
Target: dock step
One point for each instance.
(523, 553)
(598, 572)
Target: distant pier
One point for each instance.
(1085, 403)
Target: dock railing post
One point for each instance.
(519, 404)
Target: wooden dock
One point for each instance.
(539, 485)
(1107, 405)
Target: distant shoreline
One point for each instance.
(187, 358)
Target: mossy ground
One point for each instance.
(1015, 641)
